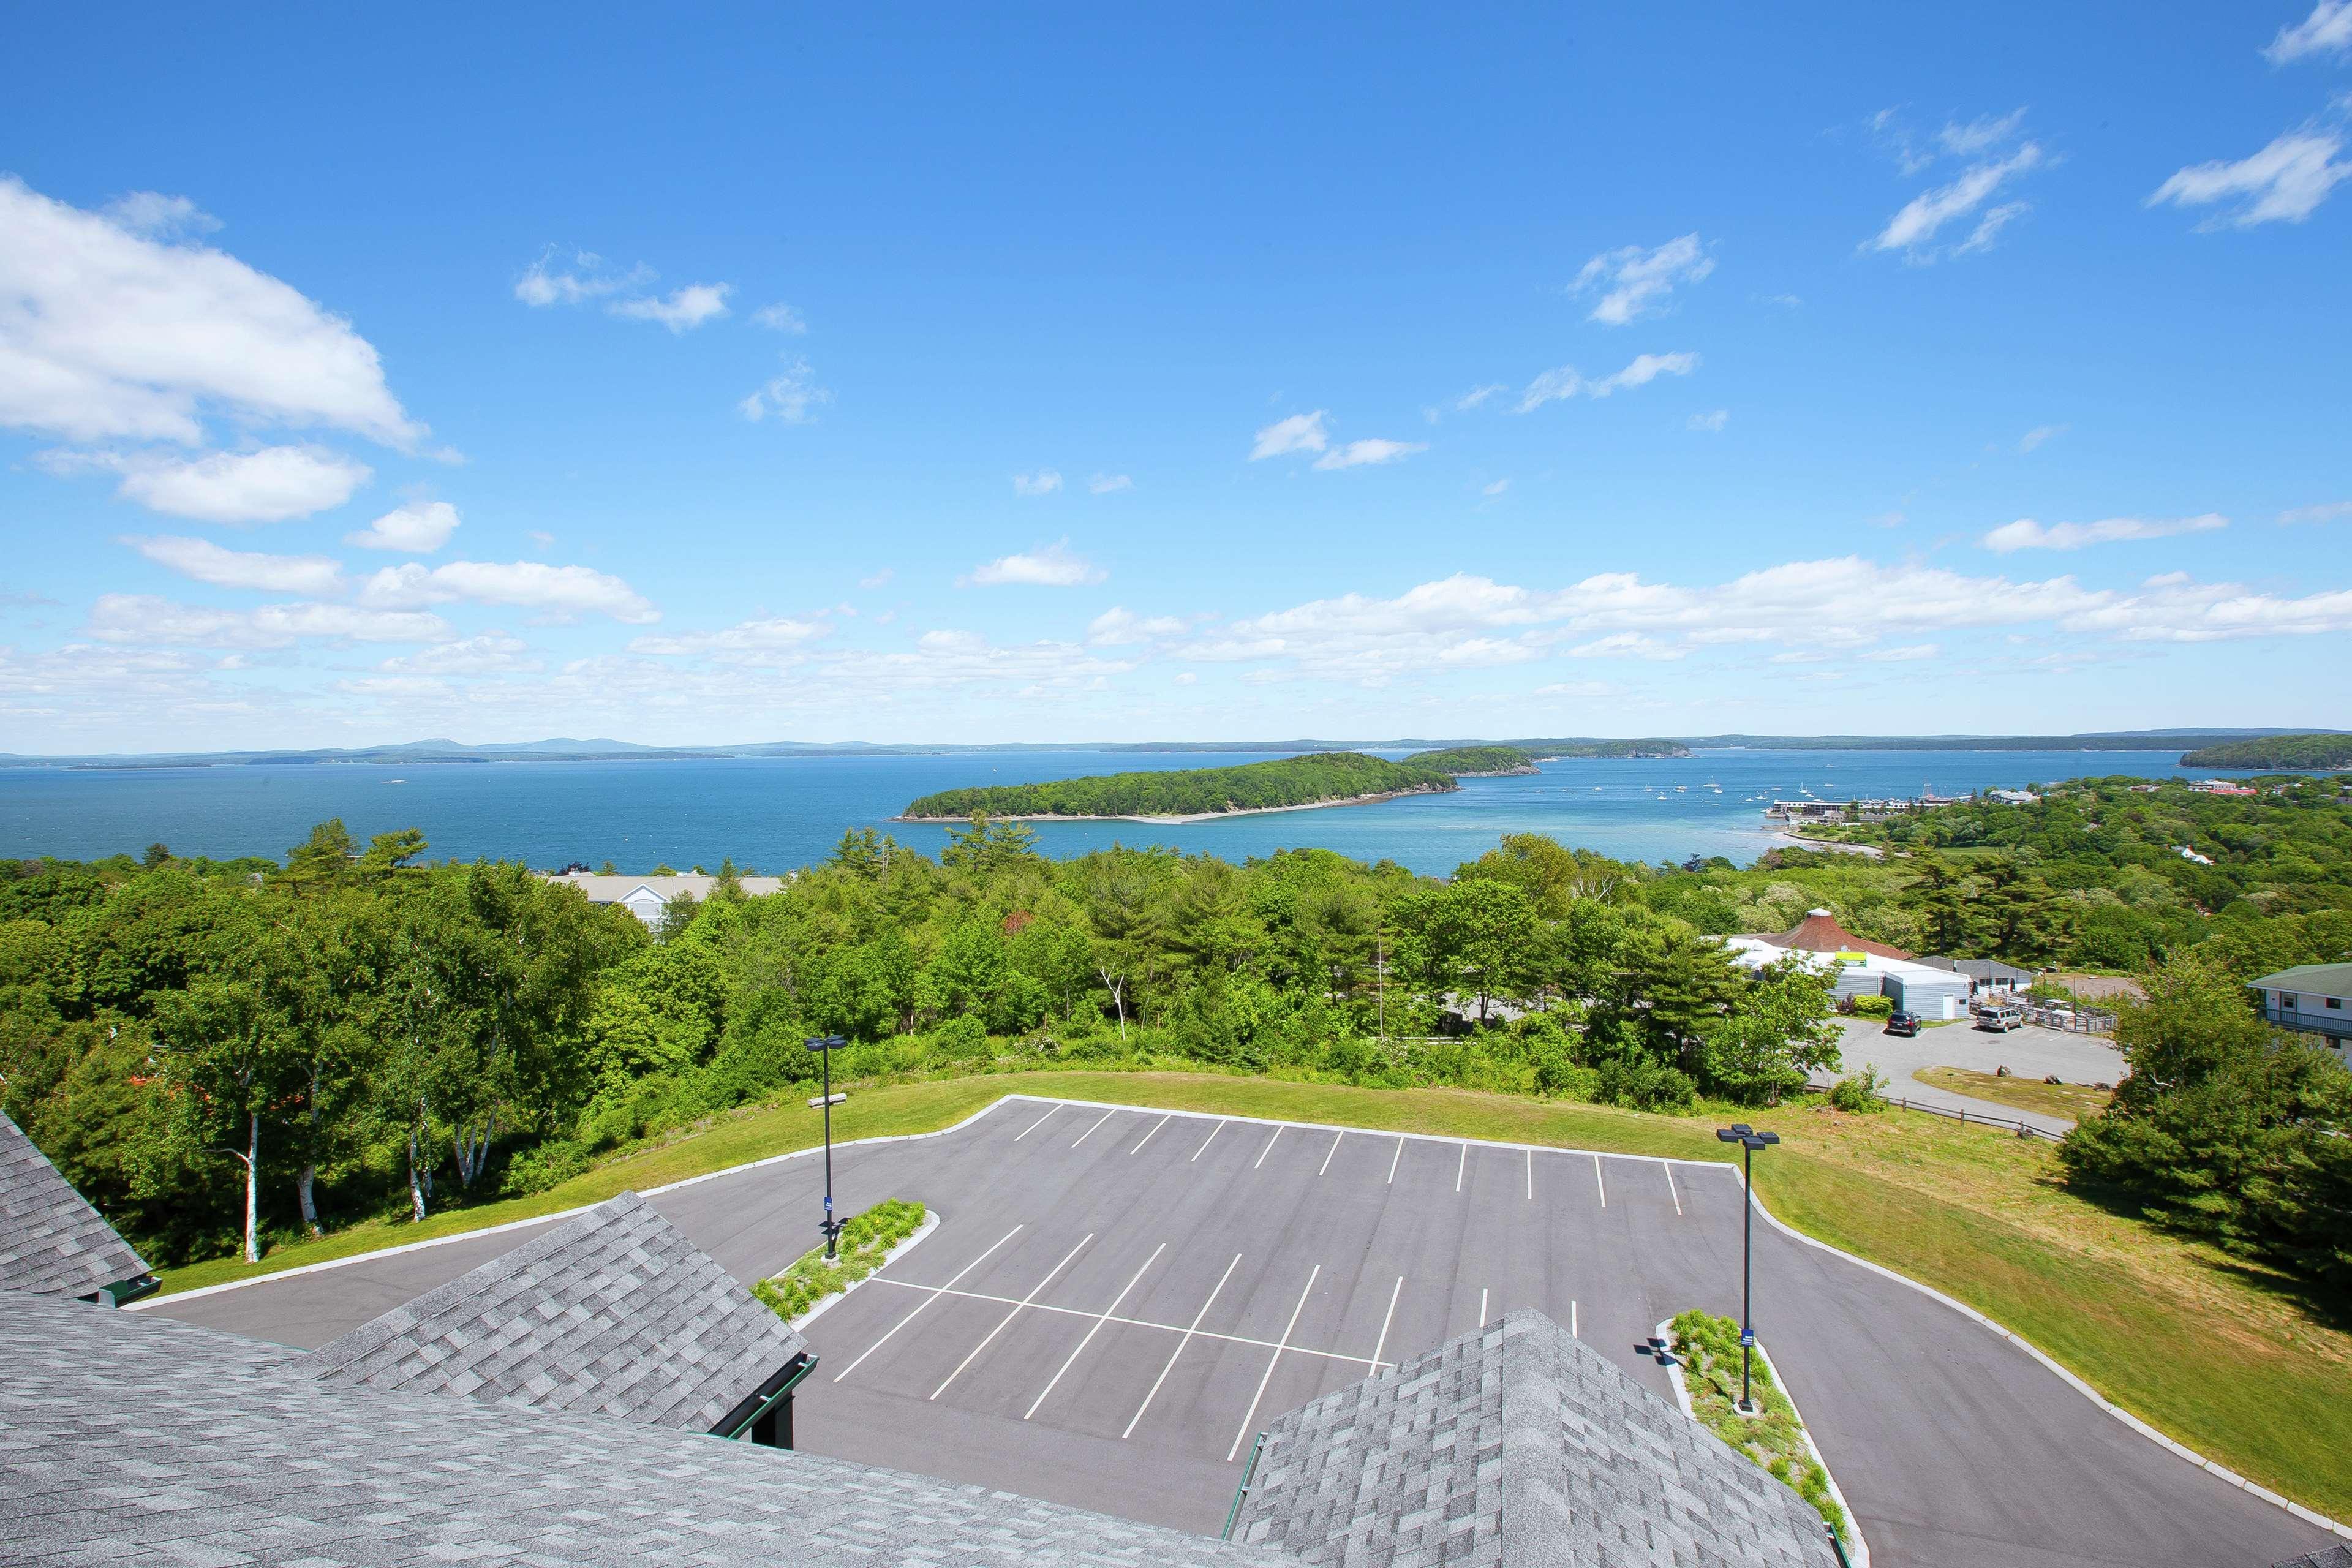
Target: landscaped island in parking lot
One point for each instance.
(1288, 783)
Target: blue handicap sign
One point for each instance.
(1747, 1338)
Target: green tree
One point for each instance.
(1941, 898)
(224, 1051)
(1779, 1031)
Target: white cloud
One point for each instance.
(557, 593)
(107, 332)
(1106, 484)
(1567, 381)
(208, 563)
(585, 276)
(766, 642)
(2327, 30)
(1985, 131)
(1628, 645)
(1118, 627)
(274, 484)
(780, 317)
(1989, 227)
(419, 528)
(1635, 282)
(1713, 421)
(1359, 454)
(2329, 512)
(1053, 567)
(879, 580)
(2038, 435)
(685, 308)
(1908, 653)
(2286, 181)
(2025, 534)
(1299, 433)
(159, 216)
(1914, 229)
(787, 397)
(1044, 482)
(1495, 489)
(142, 618)
(492, 653)
(1477, 395)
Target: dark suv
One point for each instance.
(1903, 1022)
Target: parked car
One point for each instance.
(1902, 1023)
(2001, 1020)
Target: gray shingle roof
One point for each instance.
(2333, 1557)
(51, 1241)
(125, 1437)
(1516, 1444)
(2326, 979)
(612, 1313)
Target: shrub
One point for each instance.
(1859, 1092)
(865, 1240)
(544, 1165)
(1645, 1086)
(1873, 1007)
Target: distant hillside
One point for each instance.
(1586, 748)
(2286, 753)
(1329, 778)
(1476, 762)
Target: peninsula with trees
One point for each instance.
(2317, 752)
(1194, 795)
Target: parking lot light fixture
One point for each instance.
(824, 1046)
(1749, 1140)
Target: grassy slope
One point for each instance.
(2202, 1349)
(2075, 1099)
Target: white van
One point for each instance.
(2000, 1020)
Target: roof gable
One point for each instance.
(2326, 979)
(613, 1313)
(1516, 1444)
(1819, 932)
(52, 1242)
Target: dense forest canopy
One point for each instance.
(218, 1053)
(1476, 762)
(2285, 752)
(1309, 780)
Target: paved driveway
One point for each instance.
(2032, 1051)
(1116, 1300)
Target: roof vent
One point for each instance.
(1823, 915)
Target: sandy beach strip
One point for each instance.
(1183, 821)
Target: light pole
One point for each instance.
(1749, 1140)
(824, 1046)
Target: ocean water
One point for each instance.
(777, 813)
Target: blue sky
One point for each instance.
(1051, 376)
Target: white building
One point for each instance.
(649, 897)
(2314, 998)
(1861, 968)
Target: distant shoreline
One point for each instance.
(1186, 821)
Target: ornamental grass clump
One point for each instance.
(865, 1240)
(1708, 1348)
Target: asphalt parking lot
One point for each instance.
(1115, 1301)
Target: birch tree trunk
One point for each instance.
(304, 1182)
(253, 1187)
(417, 1187)
(1117, 989)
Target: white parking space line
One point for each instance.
(1572, 1321)
(1386, 1321)
(1531, 1176)
(1598, 1181)
(1187, 1340)
(1269, 1149)
(1395, 1158)
(1212, 1138)
(1251, 1413)
(1090, 1132)
(937, 1291)
(1329, 1152)
(1482, 1306)
(1008, 1317)
(1669, 1170)
(1147, 1137)
(1462, 1167)
(1348, 1356)
(1036, 1124)
(1100, 1319)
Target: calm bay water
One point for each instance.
(777, 813)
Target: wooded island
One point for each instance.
(1286, 783)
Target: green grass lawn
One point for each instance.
(2070, 1099)
(2207, 1350)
